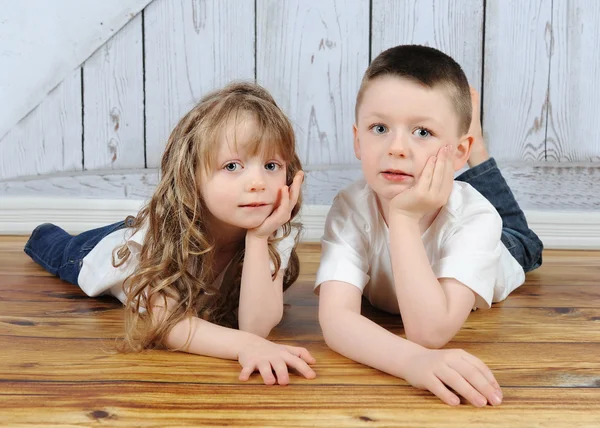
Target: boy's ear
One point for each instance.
(356, 144)
(462, 152)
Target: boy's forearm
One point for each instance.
(358, 338)
(261, 306)
(197, 336)
(421, 298)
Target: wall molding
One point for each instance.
(20, 215)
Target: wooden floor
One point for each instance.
(58, 366)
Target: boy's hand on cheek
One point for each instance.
(431, 190)
(288, 197)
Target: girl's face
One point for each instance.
(241, 190)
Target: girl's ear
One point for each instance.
(462, 151)
(356, 143)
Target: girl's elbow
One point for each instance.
(260, 327)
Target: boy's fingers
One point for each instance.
(457, 382)
(424, 182)
(439, 172)
(440, 391)
(477, 380)
(485, 370)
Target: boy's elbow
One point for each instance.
(430, 339)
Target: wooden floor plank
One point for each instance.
(58, 365)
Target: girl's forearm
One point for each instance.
(197, 336)
(261, 298)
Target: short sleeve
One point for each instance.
(344, 247)
(471, 252)
(285, 247)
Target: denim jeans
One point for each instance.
(519, 239)
(62, 254)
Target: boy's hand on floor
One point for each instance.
(439, 370)
(431, 191)
(267, 357)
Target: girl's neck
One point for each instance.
(227, 238)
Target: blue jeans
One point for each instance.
(62, 254)
(519, 239)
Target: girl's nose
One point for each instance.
(256, 184)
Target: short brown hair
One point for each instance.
(427, 66)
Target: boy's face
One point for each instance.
(400, 124)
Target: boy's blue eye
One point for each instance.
(231, 166)
(422, 132)
(379, 129)
(271, 166)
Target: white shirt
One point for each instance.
(99, 276)
(463, 243)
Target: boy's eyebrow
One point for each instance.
(411, 118)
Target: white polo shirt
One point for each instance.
(99, 276)
(463, 243)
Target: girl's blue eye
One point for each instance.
(422, 132)
(271, 166)
(231, 166)
(379, 129)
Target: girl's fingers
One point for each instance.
(246, 373)
(300, 365)
(440, 391)
(457, 382)
(477, 380)
(266, 372)
(281, 371)
(301, 353)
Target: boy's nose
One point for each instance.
(398, 146)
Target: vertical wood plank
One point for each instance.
(48, 139)
(573, 125)
(192, 47)
(453, 26)
(517, 55)
(114, 102)
(311, 55)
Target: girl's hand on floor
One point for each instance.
(267, 357)
(288, 197)
(438, 370)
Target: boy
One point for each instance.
(413, 241)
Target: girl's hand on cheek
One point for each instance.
(431, 191)
(267, 357)
(288, 197)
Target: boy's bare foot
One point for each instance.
(479, 153)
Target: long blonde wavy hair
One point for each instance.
(178, 252)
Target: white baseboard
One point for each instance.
(20, 215)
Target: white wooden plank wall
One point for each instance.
(49, 138)
(573, 125)
(192, 48)
(518, 43)
(113, 117)
(536, 63)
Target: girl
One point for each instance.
(213, 250)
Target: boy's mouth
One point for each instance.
(395, 175)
